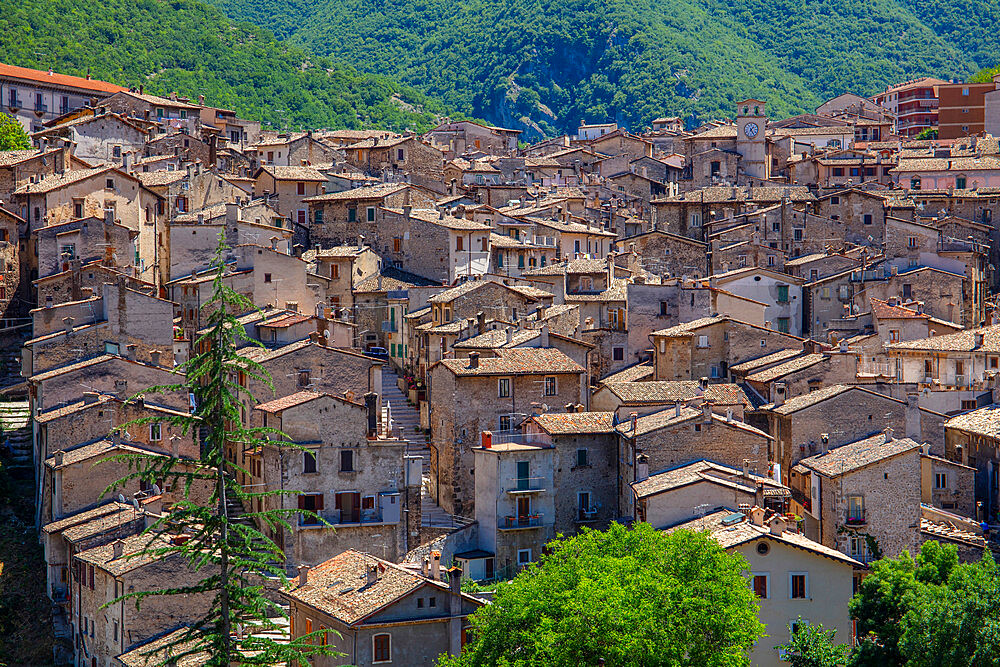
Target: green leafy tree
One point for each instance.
(929, 133)
(812, 646)
(12, 135)
(928, 611)
(235, 556)
(625, 596)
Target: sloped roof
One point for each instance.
(698, 471)
(812, 398)
(51, 78)
(857, 455)
(514, 361)
(568, 423)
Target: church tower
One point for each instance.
(751, 123)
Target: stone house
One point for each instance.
(454, 138)
(468, 396)
(488, 343)
(100, 192)
(120, 317)
(833, 416)
(959, 360)
(972, 439)
(87, 240)
(14, 282)
(372, 311)
(423, 163)
(942, 292)
(681, 493)
(103, 628)
(134, 104)
(295, 149)
(341, 268)
(806, 373)
(76, 479)
(572, 237)
(412, 237)
(183, 145)
(688, 214)
(380, 612)
(361, 484)
(340, 217)
(862, 498)
(708, 346)
(818, 265)
(82, 281)
(947, 485)
(104, 138)
(287, 188)
(793, 576)
(19, 168)
(682, 434)
(577, 277)
(666, 254)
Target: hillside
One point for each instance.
(550, 63)
(194, 49)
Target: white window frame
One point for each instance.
(524, 551)
(703, 342)
(381, 662)
(797, 574)
(943, 476)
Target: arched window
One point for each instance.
(915, 183)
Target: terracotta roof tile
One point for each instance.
(984, 421)
(55, 79)
(567, 423)
(513, 361)
(698, 471)
(787, 368)
(856, 455)
(812, 398)
(369, 192)
(960, 341)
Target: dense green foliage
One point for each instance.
(812, 646)
(929, 611)
(550, 63)
(12, 135)
(192, 48)
(625, 596)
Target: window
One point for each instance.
(154, 431)
(915, 183)
(893, 335)
(420, 603)
(582, 458)
(550, 386)
(381, 648)
(309, 461)
(907, 290)
(618, 354)
(503, 423)
(760, 586)
(716, 167)
(346, 460)
(459, 243)
(783, 324)
(969, 404)
(911, 242)
(798, 585)
(940, 480)
(523, 556)
(855, 172)
(352, 214)
(965, 91)
(798, 232)
(503, 387)
(855, 509)
(432, 601)
(835, 200)
(960, 182)
(838, 171)
(109, 184)
(663, 308)
(304, 378)
(77, 208)
(370, 213)
(349, 504)
(782, 293)
(776, 226)
(300, 188)
(702, 341)
(397, 244)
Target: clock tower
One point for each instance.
(751, 123)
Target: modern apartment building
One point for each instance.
(914, 103)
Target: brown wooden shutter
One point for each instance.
(302, 502)
(319, 502)
(338, 501)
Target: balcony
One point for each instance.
(855, 518)
(14, 102)
(41, 108)
(524, 485)
(520, 522)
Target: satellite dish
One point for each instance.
(135, 504)
(121, 498)
(156, 490)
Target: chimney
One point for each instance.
(425, 566)
(455, 580)
(510, 336)
(677, 409)
(706, 412)
(90, 397)
(303, 575)
(371, 574)
(435, 565)
(979, 339)
(68, 324)
(129, 351)
(543, 337)
(109, 216)
(634, 418)
(473, 360)
(486, 439)
(888, 434)
(361, 241)
(757, 516)
(779, 394)
(371, 405)
(641, 468)
(480, 323)
(154, 357)
(406, 211)
(117, 548)
(729, 415)
(175, 446)
(58, 457)
(702, 385)
(777, 525)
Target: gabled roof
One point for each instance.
(674, 417)
(338, 587)
(103, 556)
(365, 193)
(730, 535)
(53, 79)
(812, 398)
(960, 341)
(515, 361)
(984, 421)
(570, 423)
(292, 173)
(667, 391)
(859, 454)
(700, 471)
(773, 358)
(788, 367)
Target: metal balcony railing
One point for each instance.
(525, 484)
(518, 522)
(855, 517)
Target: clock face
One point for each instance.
(751, 129)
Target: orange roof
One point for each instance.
(886, 311)
(59, 79)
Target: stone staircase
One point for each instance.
(15, 430)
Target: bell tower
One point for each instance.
(751, 144)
